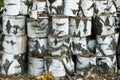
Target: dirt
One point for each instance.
(80, 77)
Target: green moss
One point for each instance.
(1, 3)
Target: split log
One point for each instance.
(105, 45)
(104, 6)
(35, 66)
(37, 47)
(56, 7)
(37, 28)
(79, 45)
(86, 8)
(59, 46)
(15, 44)
(60, 25)
(86, 64)
(14, 25)
(12, 64)
(71, 7)
(80, 27)
(104, 24)
(59, 66)
(106, 65)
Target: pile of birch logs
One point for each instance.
(117, 29)
(37, 31)
(104, 29)
(64, 36)
(14, 37)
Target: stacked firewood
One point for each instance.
(14, 38)
(104, 29)
(64, 36)
(117, 29)
(37, 31)
(59, 59)
(80, 29)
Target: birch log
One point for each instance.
(60, 25)
(12, 9)
(37, 28)
(105, 45)
(15, 44)
(59, 66)
(35, 66)
(12, 64)
(38, 8)
(71, 7)
(117, 22)
(1, 40)
(24, 7)
(37, 47)
(11, 1)
(104, 24)
(56, 7)
(91, 43)
(104, 6)
(86, 64)
(79, 45)
(13, 25)
(1, 23)
(42, 8)
(86, 8)
(117, 2)
(59, 46)
(106, 64)
(117, 36)
(80, 27)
